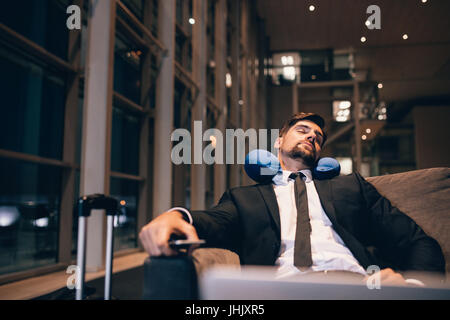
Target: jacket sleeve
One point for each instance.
(219, 226)
(398, 236)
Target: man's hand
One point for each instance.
(155, 235)
(389, 277)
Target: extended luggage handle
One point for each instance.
(97, 201)
(85, 205)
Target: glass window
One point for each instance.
(136, 7)
(125, 142)
(127, 69)
(29, 215)
(75, 216)
(39, 21)
(210, 36)
(209, 194)
(179, 12)
(316, 65)
(154, 76)
(189, 57)
(32, 108)
(154, 22)
(341, 67)
(180, 41)
(183, 32)
(210, 29)
(125, 223)
(286, 68)
(182, 119)
(79, 126)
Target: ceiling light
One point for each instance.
(287, 60)
(289, 73)
(213, 140)
(380, 86)
(363, 39)
(405, 36)
(364, 137)
(424, 1)
(191, 20)
(368, 130)
(367, 23)
(341, 119)
(344, 104)
(228, 80)
(312, 8)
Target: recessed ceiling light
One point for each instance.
(364, 137)
(312, 8)
(213, 140)
(380, 86)
(191, 20)
(405, 36)
(344, 104)
(228, 80)
(424, 1)
(363, 39)
(368, 130)
(367, 23)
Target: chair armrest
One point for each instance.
(175, 278)
(205, 258)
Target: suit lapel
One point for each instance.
(270, 199)
(323, 188)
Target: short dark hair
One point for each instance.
(304, 116)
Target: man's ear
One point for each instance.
(278, 143)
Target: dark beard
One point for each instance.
(309, 159)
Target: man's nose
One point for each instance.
(311, 137)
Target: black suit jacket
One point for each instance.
(247, 221)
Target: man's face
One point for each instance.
(303, 140)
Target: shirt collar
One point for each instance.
(282, 177)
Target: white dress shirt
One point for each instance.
(328, 251)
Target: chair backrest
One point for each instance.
(424, 195)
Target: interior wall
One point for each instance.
(432, 136)
(280, 107)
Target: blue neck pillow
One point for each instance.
(262, 165)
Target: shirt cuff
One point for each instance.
(415, 282)
(186, 213)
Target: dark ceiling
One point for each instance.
(409, 69)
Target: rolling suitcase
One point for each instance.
(85, 205)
